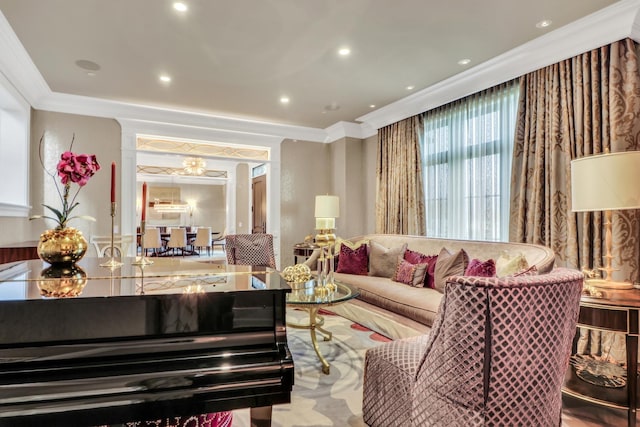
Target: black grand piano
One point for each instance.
(90, 345)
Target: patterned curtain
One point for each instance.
(400, 196)
(578, 107)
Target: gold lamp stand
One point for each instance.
(608, 281)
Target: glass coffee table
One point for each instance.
(312, 297)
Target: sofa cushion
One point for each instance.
(449, 264)
(481, 268)
(419, 304)
(383, 260)
(353, 261)
(410, 274)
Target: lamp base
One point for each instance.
(608, 284)
(325, 237)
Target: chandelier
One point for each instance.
(194, 165)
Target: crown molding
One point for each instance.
(610, 24)
(76, 104)
(18, 68)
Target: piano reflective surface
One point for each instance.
(95, 346)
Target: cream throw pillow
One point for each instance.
(383, 261)
(510, 264)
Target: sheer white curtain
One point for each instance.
(466, 149)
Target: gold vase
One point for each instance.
(62, 281)
(62, 246)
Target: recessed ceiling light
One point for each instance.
(544, 23)
(87, 65)
(372, 106)
(344, 51)
(464, 61)
(410, 87)
(165, 78)
(180, 7)
(284, 99)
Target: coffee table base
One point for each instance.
(316, 322)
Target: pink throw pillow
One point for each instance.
(481, 269)
(430, 277)
(353, 261)
(410, 274)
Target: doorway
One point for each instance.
(259, 204)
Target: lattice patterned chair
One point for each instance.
(496, 356)
(250, 249)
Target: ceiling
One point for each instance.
(237, 58)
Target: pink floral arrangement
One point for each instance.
(72, 168)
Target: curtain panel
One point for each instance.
(400, 196)
(581, 106)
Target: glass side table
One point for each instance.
(311, 297)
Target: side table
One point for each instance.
(615, 311)
(302, 251)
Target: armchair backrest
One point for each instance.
(499, 350)
(250, 249)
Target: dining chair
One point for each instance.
(152, 240)
(250, 249)
(203, 239)
(219, 240)
(178, 240)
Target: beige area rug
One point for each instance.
(319, 399)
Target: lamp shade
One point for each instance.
(606, 182)
(327, 207)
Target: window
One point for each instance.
(466, 156)
(15, 116)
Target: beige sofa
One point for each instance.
(397, 310)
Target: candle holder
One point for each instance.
(142, 260)
(112, 263)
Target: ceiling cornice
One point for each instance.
(605, 26)
(610, 24)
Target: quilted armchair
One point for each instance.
(250, 249)
(496, 356)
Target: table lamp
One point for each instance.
(606, 182)
(326, 212)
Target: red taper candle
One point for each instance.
(144, 201)
(113, 182)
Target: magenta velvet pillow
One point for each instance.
(415, 257)
(353, 261)
(410, 274)
(481, 269)
(429, 278)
